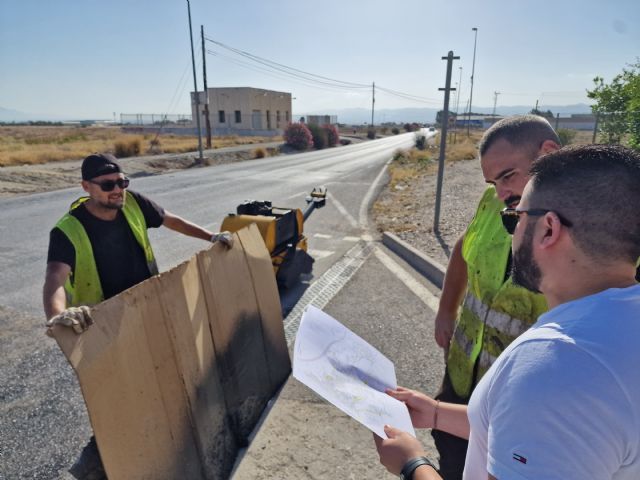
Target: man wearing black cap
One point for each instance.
(99, 249)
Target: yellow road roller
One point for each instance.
(282, 230)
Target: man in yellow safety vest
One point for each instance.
(481, 311)
(99, 249)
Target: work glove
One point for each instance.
(78, 318)
(225, 238)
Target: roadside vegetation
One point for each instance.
(410, 167)
(618, 106)
(28, 145)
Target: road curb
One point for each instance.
(422, 263)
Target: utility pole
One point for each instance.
(535, 110)
(195, 89)
(473, 71)
(373, 101)
(458, 92)
(443, 137)
(207, 121)
(495, 101)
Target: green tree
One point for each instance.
(618, 106)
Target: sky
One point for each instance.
(98, 59)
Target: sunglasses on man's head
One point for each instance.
(109, 185)
(510, 217)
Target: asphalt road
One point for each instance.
(42, 416)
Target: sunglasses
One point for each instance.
(510, 217)
(109, 185)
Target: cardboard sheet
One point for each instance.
(176, 371)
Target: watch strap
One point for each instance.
(411, 465)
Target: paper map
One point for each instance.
(348, 372)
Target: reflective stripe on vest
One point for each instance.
(484, 329)
(83, 286)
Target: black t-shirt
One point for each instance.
(118, 255)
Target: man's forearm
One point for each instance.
(179, 224)
(452, 418)
(455, 280)
(54, 300)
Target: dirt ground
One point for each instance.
(407, 208)
(28, 179)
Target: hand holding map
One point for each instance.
(348, 372)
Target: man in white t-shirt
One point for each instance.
(563, 400)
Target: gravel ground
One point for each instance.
(408, 210)
(39, 395)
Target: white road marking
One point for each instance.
(351, 239)
(342, 210)
(428, 298)
(363, 215)
(318, 254)
(322, 235)
(295, 195)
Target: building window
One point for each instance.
(268, 120)
(278, 117)
(221, 118)
(286, 116)
(238, 116)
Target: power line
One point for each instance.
(298, 74)
(289, 70)
(270, 73)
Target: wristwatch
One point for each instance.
(411, 465)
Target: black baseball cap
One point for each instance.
(99, 164)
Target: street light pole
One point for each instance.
(473, 71)
(195, 88)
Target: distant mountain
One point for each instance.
(9, 115)
(358, 116)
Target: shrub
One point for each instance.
(154, 146)
(259, 153)
(566, 135)
(395, 130)
(319, 136)
(400, 156)
(407, 127)
(421, 141)
(129, 147)
(332, 135)
(371, 134)
(298, 136)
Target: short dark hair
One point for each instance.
(522, 131)
(597, 188)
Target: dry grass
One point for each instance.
(23, 145)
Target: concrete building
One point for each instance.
(244, 111)
(322, 119)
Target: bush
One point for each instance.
(407, 127)
(298, 136)
(566, 135)
(129, 147)
(319, 136)
(332, 135)
(371, 134)
(421, 141)
(400, 156)
(154, 146)
(259, 153)
(395, 130)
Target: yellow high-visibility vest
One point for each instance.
(83, 285)
(495, 311)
